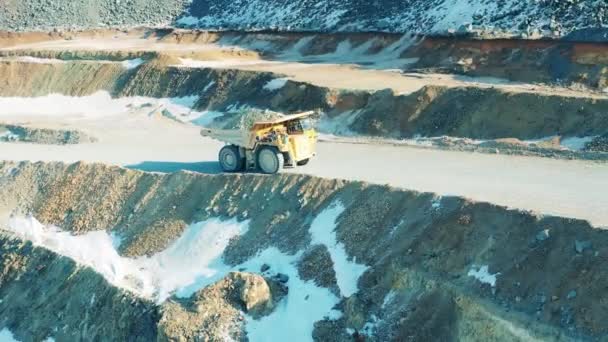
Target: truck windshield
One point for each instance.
(299, 126)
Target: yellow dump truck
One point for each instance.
(268, 146)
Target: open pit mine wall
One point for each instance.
(583, 19)
(431, 111)
(575, 64)
(421, 16)
(419, 249)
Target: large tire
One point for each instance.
(303, 162)
(270, 160)
(230, 159)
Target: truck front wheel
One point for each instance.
(230, 159)
(270, 160)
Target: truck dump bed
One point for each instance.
(230, 136)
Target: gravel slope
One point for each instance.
(529, 17)
(18, 15)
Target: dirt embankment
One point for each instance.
(575, 64)
(72, 78)
(45, 295)
(421, 252)
(482, 113)
(566, 63)
(550, 62)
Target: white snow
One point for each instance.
(185, 101)
(36, 60)
(96, 105)
(369, 328)
(8, 135)
(197, 253)
(205, 118)
(7, 336)
(132, 63)
(188, 265)
(323, 232)
(219, 64)
(294, 317)
(483, 275)
(276, 84)
(389, 298)
(338, 125)
(363, 54)
(576, 143)
(102, 105)
(187, 21)
(208, 86)
(454, 13)
(436, 203)
(116, 240)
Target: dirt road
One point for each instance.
(574, 189)
(346, 68)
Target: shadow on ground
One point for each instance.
(168, 167)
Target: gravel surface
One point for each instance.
(576, 19)
(528, 18)
(62, 14)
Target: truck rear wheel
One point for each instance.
(230, 159)
(270, 160)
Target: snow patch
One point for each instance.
(219, 64)
(116, 240)
(576, 143)
(185, 101)
(339, 124)
(187, 21)
(101, 106)
(96, 105)
(436, 203)
(294, 317)
(36, 60)
(197, 253)
(370, 327)
(132, 63)
(389, 298)
(276, 84)
(208, 86)
(8, 136)
(323, 232)
(7, 336)
(483, 275)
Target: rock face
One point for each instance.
(254, 293)
(581, 19)
(217, 310)
(17, 15)
(460, 270)
(69, 300)
(480, 113)
(527, 18)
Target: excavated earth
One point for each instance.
(460, 88)
(431, 267)
(419, 251)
